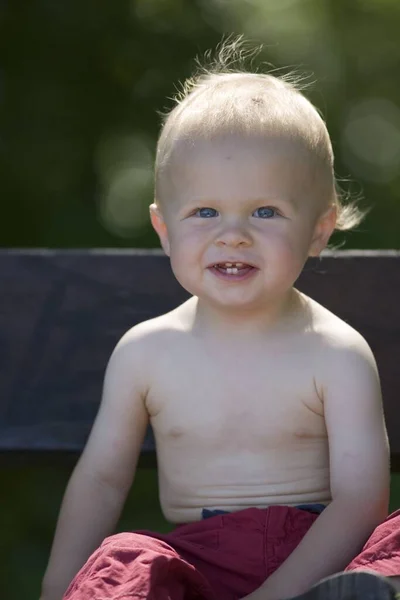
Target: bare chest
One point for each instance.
(244, 405)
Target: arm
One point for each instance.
(359, 475)
(101, 480)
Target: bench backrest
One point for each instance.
(61, 313)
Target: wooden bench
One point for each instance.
(62, 311)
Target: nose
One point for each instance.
(233, 235)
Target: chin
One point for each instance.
(243, 304)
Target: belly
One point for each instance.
(190, 482)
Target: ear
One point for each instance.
(323, 231)
(157, 220)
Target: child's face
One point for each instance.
(239, 219)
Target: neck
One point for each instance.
(225, 322)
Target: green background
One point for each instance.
(81, 85)
(82, 82)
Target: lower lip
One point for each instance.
(241, 276)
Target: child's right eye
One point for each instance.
(205, 213)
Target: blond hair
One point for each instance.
(224, 97)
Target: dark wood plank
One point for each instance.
(15, 459)
(61, 313)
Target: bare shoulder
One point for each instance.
(341, 348)
(145, 342)
(152, 331)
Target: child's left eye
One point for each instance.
(265, 212)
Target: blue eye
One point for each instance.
(265, 212)
(206, 213)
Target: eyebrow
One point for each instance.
(254, 202)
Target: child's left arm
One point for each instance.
(359, 473)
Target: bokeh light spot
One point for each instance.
(371, 140)
(125, 169)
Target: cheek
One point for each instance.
(185, 260)
(184, 254)
(290, 251)
(187, 244)
(281, 241)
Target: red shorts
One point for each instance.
(224, 557)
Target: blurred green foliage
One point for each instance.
(82, 81)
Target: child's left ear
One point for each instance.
(323, 231)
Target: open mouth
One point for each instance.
(233, 269)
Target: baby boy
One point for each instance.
(266, 407)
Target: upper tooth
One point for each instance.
(228, 264)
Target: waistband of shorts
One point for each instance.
(312, 508)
